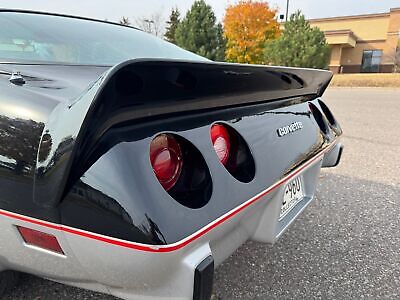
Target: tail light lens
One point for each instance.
(181, 169)
(319, 118)
(221, 142)
(166, 160)
(329, 115)
(40, 239)
(233, 152)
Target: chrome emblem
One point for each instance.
(282, 131)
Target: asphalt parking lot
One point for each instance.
(347, 243)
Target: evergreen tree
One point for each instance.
(300, 45)
(173, 22)
(221, 43)
(199, 33)
(397, 58)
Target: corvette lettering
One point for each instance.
(282, 131)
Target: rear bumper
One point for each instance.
(177, 271)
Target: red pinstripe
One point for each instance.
(170, 247)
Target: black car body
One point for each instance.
(81, 200)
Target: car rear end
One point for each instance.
(174, 165)
(158, 170)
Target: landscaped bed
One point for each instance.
(366, 80)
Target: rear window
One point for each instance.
(55, 39)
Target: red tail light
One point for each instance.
(40, 239)
(221, 142)
(166, 160)
(319, 118)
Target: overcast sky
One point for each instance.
(113, 10)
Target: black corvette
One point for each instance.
(132, 167)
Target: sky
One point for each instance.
(113, 10)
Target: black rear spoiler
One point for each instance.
(145, 88)
(149, 88)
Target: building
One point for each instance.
(363, 43)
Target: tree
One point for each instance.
(19, 140)
(173, 22)
(153, 24)
(125, 21)
(248, 26)
(397, 58)
(300, 45)
(394, 55)
(221, 42)
(199, 33)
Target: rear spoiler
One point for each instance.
(148, 88)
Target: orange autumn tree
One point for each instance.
(247, 27)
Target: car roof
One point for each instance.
(63, 15)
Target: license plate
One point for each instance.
(294, 193)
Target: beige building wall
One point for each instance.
(373, 27)
(336, 54)
(353, 56)
(350, 36)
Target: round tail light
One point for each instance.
(221, 142)
(166, 160)
(319, 118)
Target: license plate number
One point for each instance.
(293, 194)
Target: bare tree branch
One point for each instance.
(125, 21)
(154, 24)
